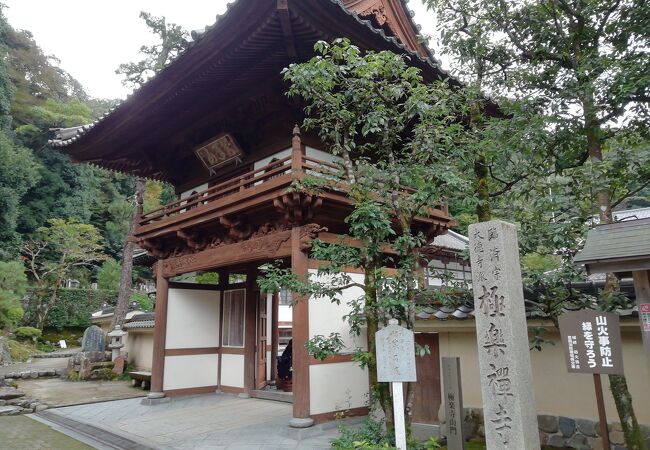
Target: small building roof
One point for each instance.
(617, 247)
(451, 241)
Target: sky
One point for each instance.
(91, 38)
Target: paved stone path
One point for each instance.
(211, 421)
(23, 433)
(59, 392)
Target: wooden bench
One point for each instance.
(140, 379)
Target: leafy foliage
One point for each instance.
(13, 283)
(320, 347)
(173, 40)
(144, 302)
(397, 139)
(108, 275)
(583, 66)
(72, 309)
(27, 333)
(63, 246)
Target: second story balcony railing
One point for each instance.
(244, 193)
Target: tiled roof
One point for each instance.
(67, 136)
(466, 310)
(627, 239)
(452, 241)
(145, 320)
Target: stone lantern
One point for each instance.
(116, 342)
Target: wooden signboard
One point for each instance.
(453, 402)
(219, 151)
(592, 342)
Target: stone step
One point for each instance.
(54, 355)
(8, 393)
(10, 410)
(278, 396)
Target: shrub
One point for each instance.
(24, 333)
(72, 309)
(369, 436)
(144, 302)
(19, 351)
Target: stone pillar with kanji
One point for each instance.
(506, 375)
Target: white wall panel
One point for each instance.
(326, 317)
(192, 318)
(232, 370)
(190, 371)
(335, 387)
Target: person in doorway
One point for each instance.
(284, 362)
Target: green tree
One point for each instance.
(108, 275)
(63, 246)
(19, 171)
(172, 42)
(585, 65)
(394, 135)
(13, 283)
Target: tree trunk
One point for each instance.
(127, 259)
(43, 308)
(483, 210)
(379, 392)
(618, 383)
(623, 400)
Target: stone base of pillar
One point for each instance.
(243, 395)
(301, 422)
(155, 398)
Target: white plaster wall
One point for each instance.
(232, 370)
(557, 392)
(139, 346)
(322, 156)
(326, 317)
(265, 161)
(199, 188)
(192, 318)
(190, 371)
(285, 313)
(334, 387)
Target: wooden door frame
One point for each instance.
(261, 346)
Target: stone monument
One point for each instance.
(506, 376)
(93, 340)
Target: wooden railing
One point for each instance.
(238, 184)
(290, 167)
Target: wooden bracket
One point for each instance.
(297, 207)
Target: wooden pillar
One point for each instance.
(300, 335)
(223, 279)
(159, 334)
(275, 335)
(250, 327)
(297, 150)
(642, 292)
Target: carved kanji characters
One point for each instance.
(492, 303)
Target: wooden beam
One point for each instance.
(271, 246)
(287, 31)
